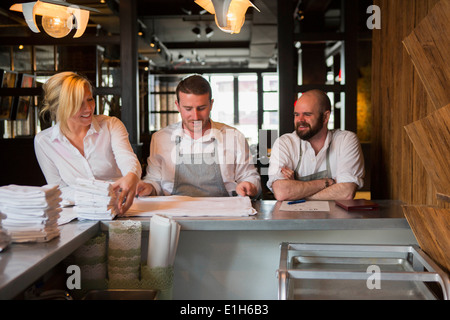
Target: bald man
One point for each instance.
(312, 162)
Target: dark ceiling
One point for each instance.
(171, 22)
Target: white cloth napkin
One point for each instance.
(163, 241)
(67, 214)
(192, 206)
(31, 212)
(18, 192)
(95, 200)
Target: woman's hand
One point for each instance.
(126, 186)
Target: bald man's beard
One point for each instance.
(313, 130)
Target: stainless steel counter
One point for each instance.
(23, 264)
(270, 217)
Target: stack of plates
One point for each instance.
(95, 200)
(31, 212)
(5, 239)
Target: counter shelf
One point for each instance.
(341, 271)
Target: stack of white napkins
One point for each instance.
(31, 212)
(5, 238)
(95, 200)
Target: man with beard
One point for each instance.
(312, 162)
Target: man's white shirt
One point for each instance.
(233, 154)
(346, 159)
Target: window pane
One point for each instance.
(270, 101)
(222, 93)
(248, 107)
(270, 121)
(270, 82)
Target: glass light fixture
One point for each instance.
(56, 26)
(229, 14)
(58, 17)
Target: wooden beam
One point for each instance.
(350, 70)
(287, 75)
(130, 71)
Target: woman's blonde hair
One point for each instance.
(63, 97)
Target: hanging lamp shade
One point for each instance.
(58, 17)
(229, 14)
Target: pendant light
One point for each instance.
(58, 17)
(229, 14)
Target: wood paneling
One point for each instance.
(431, 139)
(428, 45)
(431, 227)
(398, 99)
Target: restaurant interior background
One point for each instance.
(136, 51)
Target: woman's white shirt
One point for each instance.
(107, 155)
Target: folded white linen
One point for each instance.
(100, 187)
(95, 200)
(66, 215)
(163, 241)
(96, 216)
(96, 209)
(31, 203)
(34, 236)
(33, 224)
(191, 206)
(31, 212)
(15, 190)
(28, 212)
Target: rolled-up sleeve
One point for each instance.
(281, 156)
(155, 161)
(350, 167)
(245, 169)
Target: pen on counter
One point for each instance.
(296, 201)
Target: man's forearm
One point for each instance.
(313, 190)
(295, 189)
(338, 191)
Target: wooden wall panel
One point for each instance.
(398, 99)
(431, 226)
(431, 139)
(428, 47)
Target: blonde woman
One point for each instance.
(82, 144)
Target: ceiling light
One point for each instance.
(229, 14)
(58, 17)
(197, 31)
